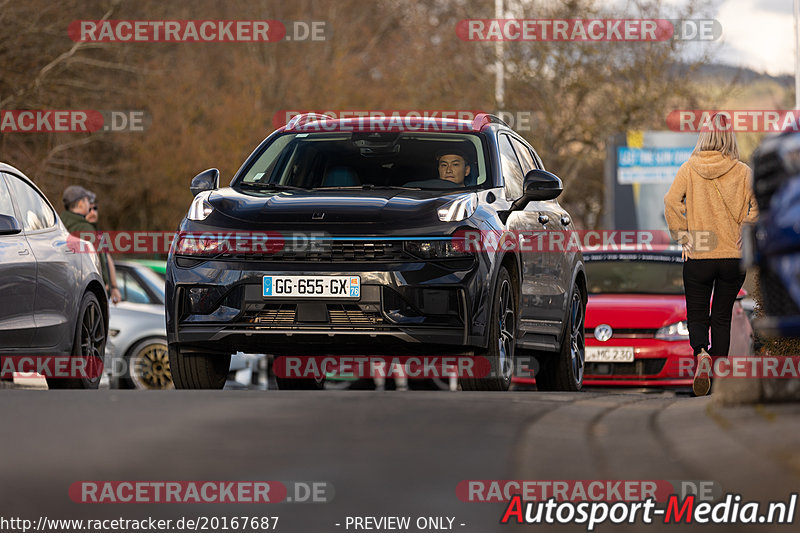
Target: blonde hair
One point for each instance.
(717, 134)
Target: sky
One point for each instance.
(758, 34)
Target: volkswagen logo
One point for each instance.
(603, 332)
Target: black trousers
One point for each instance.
(700, 277)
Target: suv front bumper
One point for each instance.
(405, 307)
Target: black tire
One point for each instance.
(298, 383)
(89, 343)
(198, 370)
(502, 339)
(147, 366)
(563, 371)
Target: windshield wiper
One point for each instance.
(370, 186)
(272, 187)
(367, 187)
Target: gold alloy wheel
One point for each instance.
(150, 366)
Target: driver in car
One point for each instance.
(453, 167)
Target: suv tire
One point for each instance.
(502, 339)
(198, 370)
(563, 371)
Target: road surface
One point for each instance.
(382, 453)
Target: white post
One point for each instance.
(499, 68)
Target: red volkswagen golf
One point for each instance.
(636, 331)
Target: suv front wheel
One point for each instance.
(502, 334)
(198, 370)
(563, 371)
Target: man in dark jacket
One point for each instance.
(77, 204)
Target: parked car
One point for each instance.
(156, 265)
(636, 320)
(53, 299)
(365, 260)
(138, 335)
(138, 330)
(774, 245)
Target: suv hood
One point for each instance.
(398, 208)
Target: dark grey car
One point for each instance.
(53, 301)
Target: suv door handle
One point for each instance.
(24, 251)
(565, 220)
(544, 219)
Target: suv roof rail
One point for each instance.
(483, 119)
(305, 118)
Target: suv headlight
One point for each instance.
(438, 249)
(678, 331)
(458, 209)
(200, 208)
(200, 244)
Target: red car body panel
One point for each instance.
(647, 313)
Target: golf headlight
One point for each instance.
(200, 208)
(674, 332)
(458, 209)
(439, 249)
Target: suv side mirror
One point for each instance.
(208, 180)
(9, 225)
(538, 185)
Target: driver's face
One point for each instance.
(453, 168)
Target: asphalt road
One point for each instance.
(384, 453)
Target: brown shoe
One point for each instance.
(702, 375)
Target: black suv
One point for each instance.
(369, 237)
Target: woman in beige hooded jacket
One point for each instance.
(709, 200)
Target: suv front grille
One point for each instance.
(277, 315)
(280, 314)
(332, 252)
(353, 316)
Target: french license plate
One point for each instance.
(312, 286)
(609, 354)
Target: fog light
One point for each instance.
(202, 300)
(438, 249)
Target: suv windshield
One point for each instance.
(368, 160)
